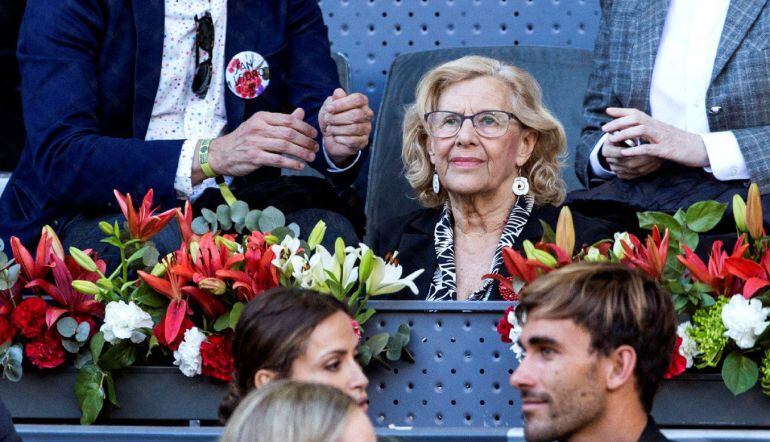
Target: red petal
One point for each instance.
(753, 285)
(211, 306)
(52, 315)
(160, 285)
(744, 268)
(23, 257)
(175, 314)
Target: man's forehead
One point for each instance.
(560, 330)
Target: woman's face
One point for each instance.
(358, 428)
(330, 358)
(469, 164)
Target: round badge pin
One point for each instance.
(247, 75)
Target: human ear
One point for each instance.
(622, 362)
(526, 145)
(262, 377)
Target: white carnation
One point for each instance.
(744, 320)
(188, 356)
(689, 348)
(514, 335)
(122, 321)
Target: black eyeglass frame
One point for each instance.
(204, 41)
(462, 118)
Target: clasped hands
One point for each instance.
(663, 142)
(283, 140)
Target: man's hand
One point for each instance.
(346, 122)
(262, 140)
(665, 142)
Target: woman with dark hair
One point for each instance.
(297, 334)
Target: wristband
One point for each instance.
(203, 158)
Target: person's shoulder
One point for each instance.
(388, 235)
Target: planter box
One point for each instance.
(459, 380)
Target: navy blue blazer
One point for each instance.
(90, 72)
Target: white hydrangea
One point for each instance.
(122, 321)
(745, 320)
(188, 356)
(689, 348)
(514, 334)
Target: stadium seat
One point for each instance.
(562, 73)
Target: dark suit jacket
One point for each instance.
(90, 72)
(412, 236)
(737, 97)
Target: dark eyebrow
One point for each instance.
(540, 341)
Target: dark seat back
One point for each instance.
(562, 74)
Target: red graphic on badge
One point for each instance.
(247, 75)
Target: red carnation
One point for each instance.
(46, 352)
(7, 330)
(29, 317)
(504, 327)
(160, 334)
(216, 352)
(678, 362)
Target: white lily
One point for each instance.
(386, 278)
(617, 248)
(284, 252)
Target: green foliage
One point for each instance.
(708, 332)
(739, 373)
(11, 357)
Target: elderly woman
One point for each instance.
(483, 156)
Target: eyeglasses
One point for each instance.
(204, 41)
(490, 124)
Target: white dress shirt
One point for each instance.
(680, 81)
(177, 112)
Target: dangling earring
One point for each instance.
(520, 186)
(436, 184)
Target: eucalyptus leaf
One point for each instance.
(150, 256)
(70, 345)
(83, 358)
(9, 276)
(209, 215)
(67, 326)
(294, 227)
(200, 226)
(271, 219)
(252, 220)
(15, 353)
(405, 333)
(705, 215)
(281, 233)
(364, 355)
(13, 372)
(739, 373)
(222, 322)
(82, 332)
(394, 349)
(238, 212)
(378, 342)
(223, 216)
(3, 260)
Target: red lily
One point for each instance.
(717, 274)
(258, 274)
(38, 267)
(518, 267)
(185, 219)
(174, 287)
(143, 224)
(208, 259)
(79, 305)
(650, 259)
(756, 275)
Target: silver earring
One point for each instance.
(520, 186)
(436, 184)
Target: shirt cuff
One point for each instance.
(726, 160)
(596, 165)
(333, 167)
(183, 180)
(208, 183)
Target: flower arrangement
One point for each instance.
(182, 308)
(723, 303)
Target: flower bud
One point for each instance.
(317, 235)
(213, 285)
(543, 257)
(87, 287)
(565, 231)
(754, 212)
(366, 266)
(106, 228)
(739, 213)
(82, 259)
(56, 247)
(339, 250)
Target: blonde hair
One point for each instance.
(290, 411)
(544, 165)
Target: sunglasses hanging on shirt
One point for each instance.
(204, 41)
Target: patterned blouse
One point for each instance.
(444, 284)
